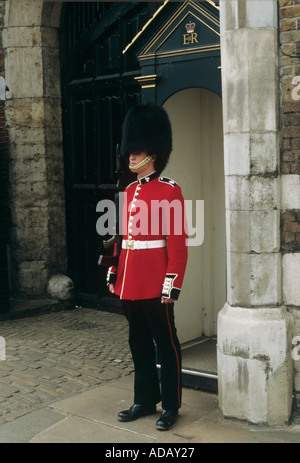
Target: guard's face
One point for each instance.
(137, 158)
(142, 163)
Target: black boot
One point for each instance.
(136, 411)
(167, 420)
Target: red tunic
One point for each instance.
(153, 210)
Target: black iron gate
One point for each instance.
(98, 87)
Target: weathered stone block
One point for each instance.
(238, 231)
(24, 170)
(30, 193)
(261, 13)
(50, 37)
(27, 151)
(254, 193)
(24, 72)
(264, 153)
(29, 15)
(265, 231)
(26, 136)
(25, 112)
(248, 82)
(251, 379)
(290, 187)
(22, 37)
(236, 193)
(30, 234)
(53, 112)
(32, 278)
(254, 359)
(265, 279)
(237, 154)
(290, 279)
(52, 14)
(253, 279)
(264, 193)
(253, 231)
(250, 153)
(51, 79)
(53, 135)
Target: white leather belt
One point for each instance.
(135, 245)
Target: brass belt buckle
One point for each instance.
(130, 244)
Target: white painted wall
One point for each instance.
(196, 164)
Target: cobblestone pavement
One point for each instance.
(57, 355)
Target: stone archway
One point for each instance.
(33, 118)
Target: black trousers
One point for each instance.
(149, 321)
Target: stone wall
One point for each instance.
(33, 120)
(289, 69)
(4, 181)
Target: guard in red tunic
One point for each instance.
(150, 272)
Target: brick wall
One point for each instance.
(4, 182)
(289, 65)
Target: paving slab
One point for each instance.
(92, 417)
(76, 429)
(24, 428)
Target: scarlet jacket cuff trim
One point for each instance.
(169, 291)
(111, 278)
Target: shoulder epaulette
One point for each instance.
(167, 180)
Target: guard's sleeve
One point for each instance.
(176, 244)
(111, 276)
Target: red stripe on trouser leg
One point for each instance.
(176, 354)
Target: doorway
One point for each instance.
(197, 165)
(98, 88)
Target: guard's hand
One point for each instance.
(111, 288)
(165, 300)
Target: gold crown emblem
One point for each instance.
(190, 27)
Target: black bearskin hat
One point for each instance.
(147, 129)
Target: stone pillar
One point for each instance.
(33, 118)
(290, 169)
(254, 328)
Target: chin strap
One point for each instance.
(142, 163)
